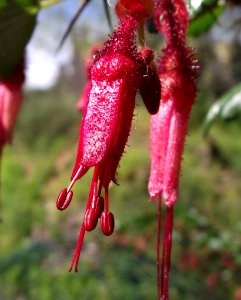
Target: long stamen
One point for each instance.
(158, 248)
(167, 246)
(81, 171)
(66, 194)
(107, 218)
(90, 218)
(93, 188)
(106, 200)
(76, 256)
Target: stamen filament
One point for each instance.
(158, 248)
(167, 245)
(81, 171)
(76, 256)
(106, 200)
(93, 188)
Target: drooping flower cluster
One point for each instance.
(117, 73)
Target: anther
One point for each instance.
(107, 223)
(150, 90)
(64, 199)
(90, 219)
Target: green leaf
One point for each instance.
(228, 107)
(17, 22)
(47, 3)
(205, 17)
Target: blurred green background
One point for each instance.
(37, 241)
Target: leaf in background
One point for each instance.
(205, 17)
(17, 22)
(228, 107)
(47, 3)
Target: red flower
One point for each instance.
(177, 71)
(169, 127)
(11, 96)
(115, 77)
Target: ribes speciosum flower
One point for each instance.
(177, 71)
(11, 96)
(115, 77)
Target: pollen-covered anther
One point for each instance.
(91, 219)
(64, 199)
(107, 223)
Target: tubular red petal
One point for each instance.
(107, 76)
(169, 126)
(160, 124)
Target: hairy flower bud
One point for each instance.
(177, 71)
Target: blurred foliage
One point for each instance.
(205, 16)
(227, 108)
(37, 241)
